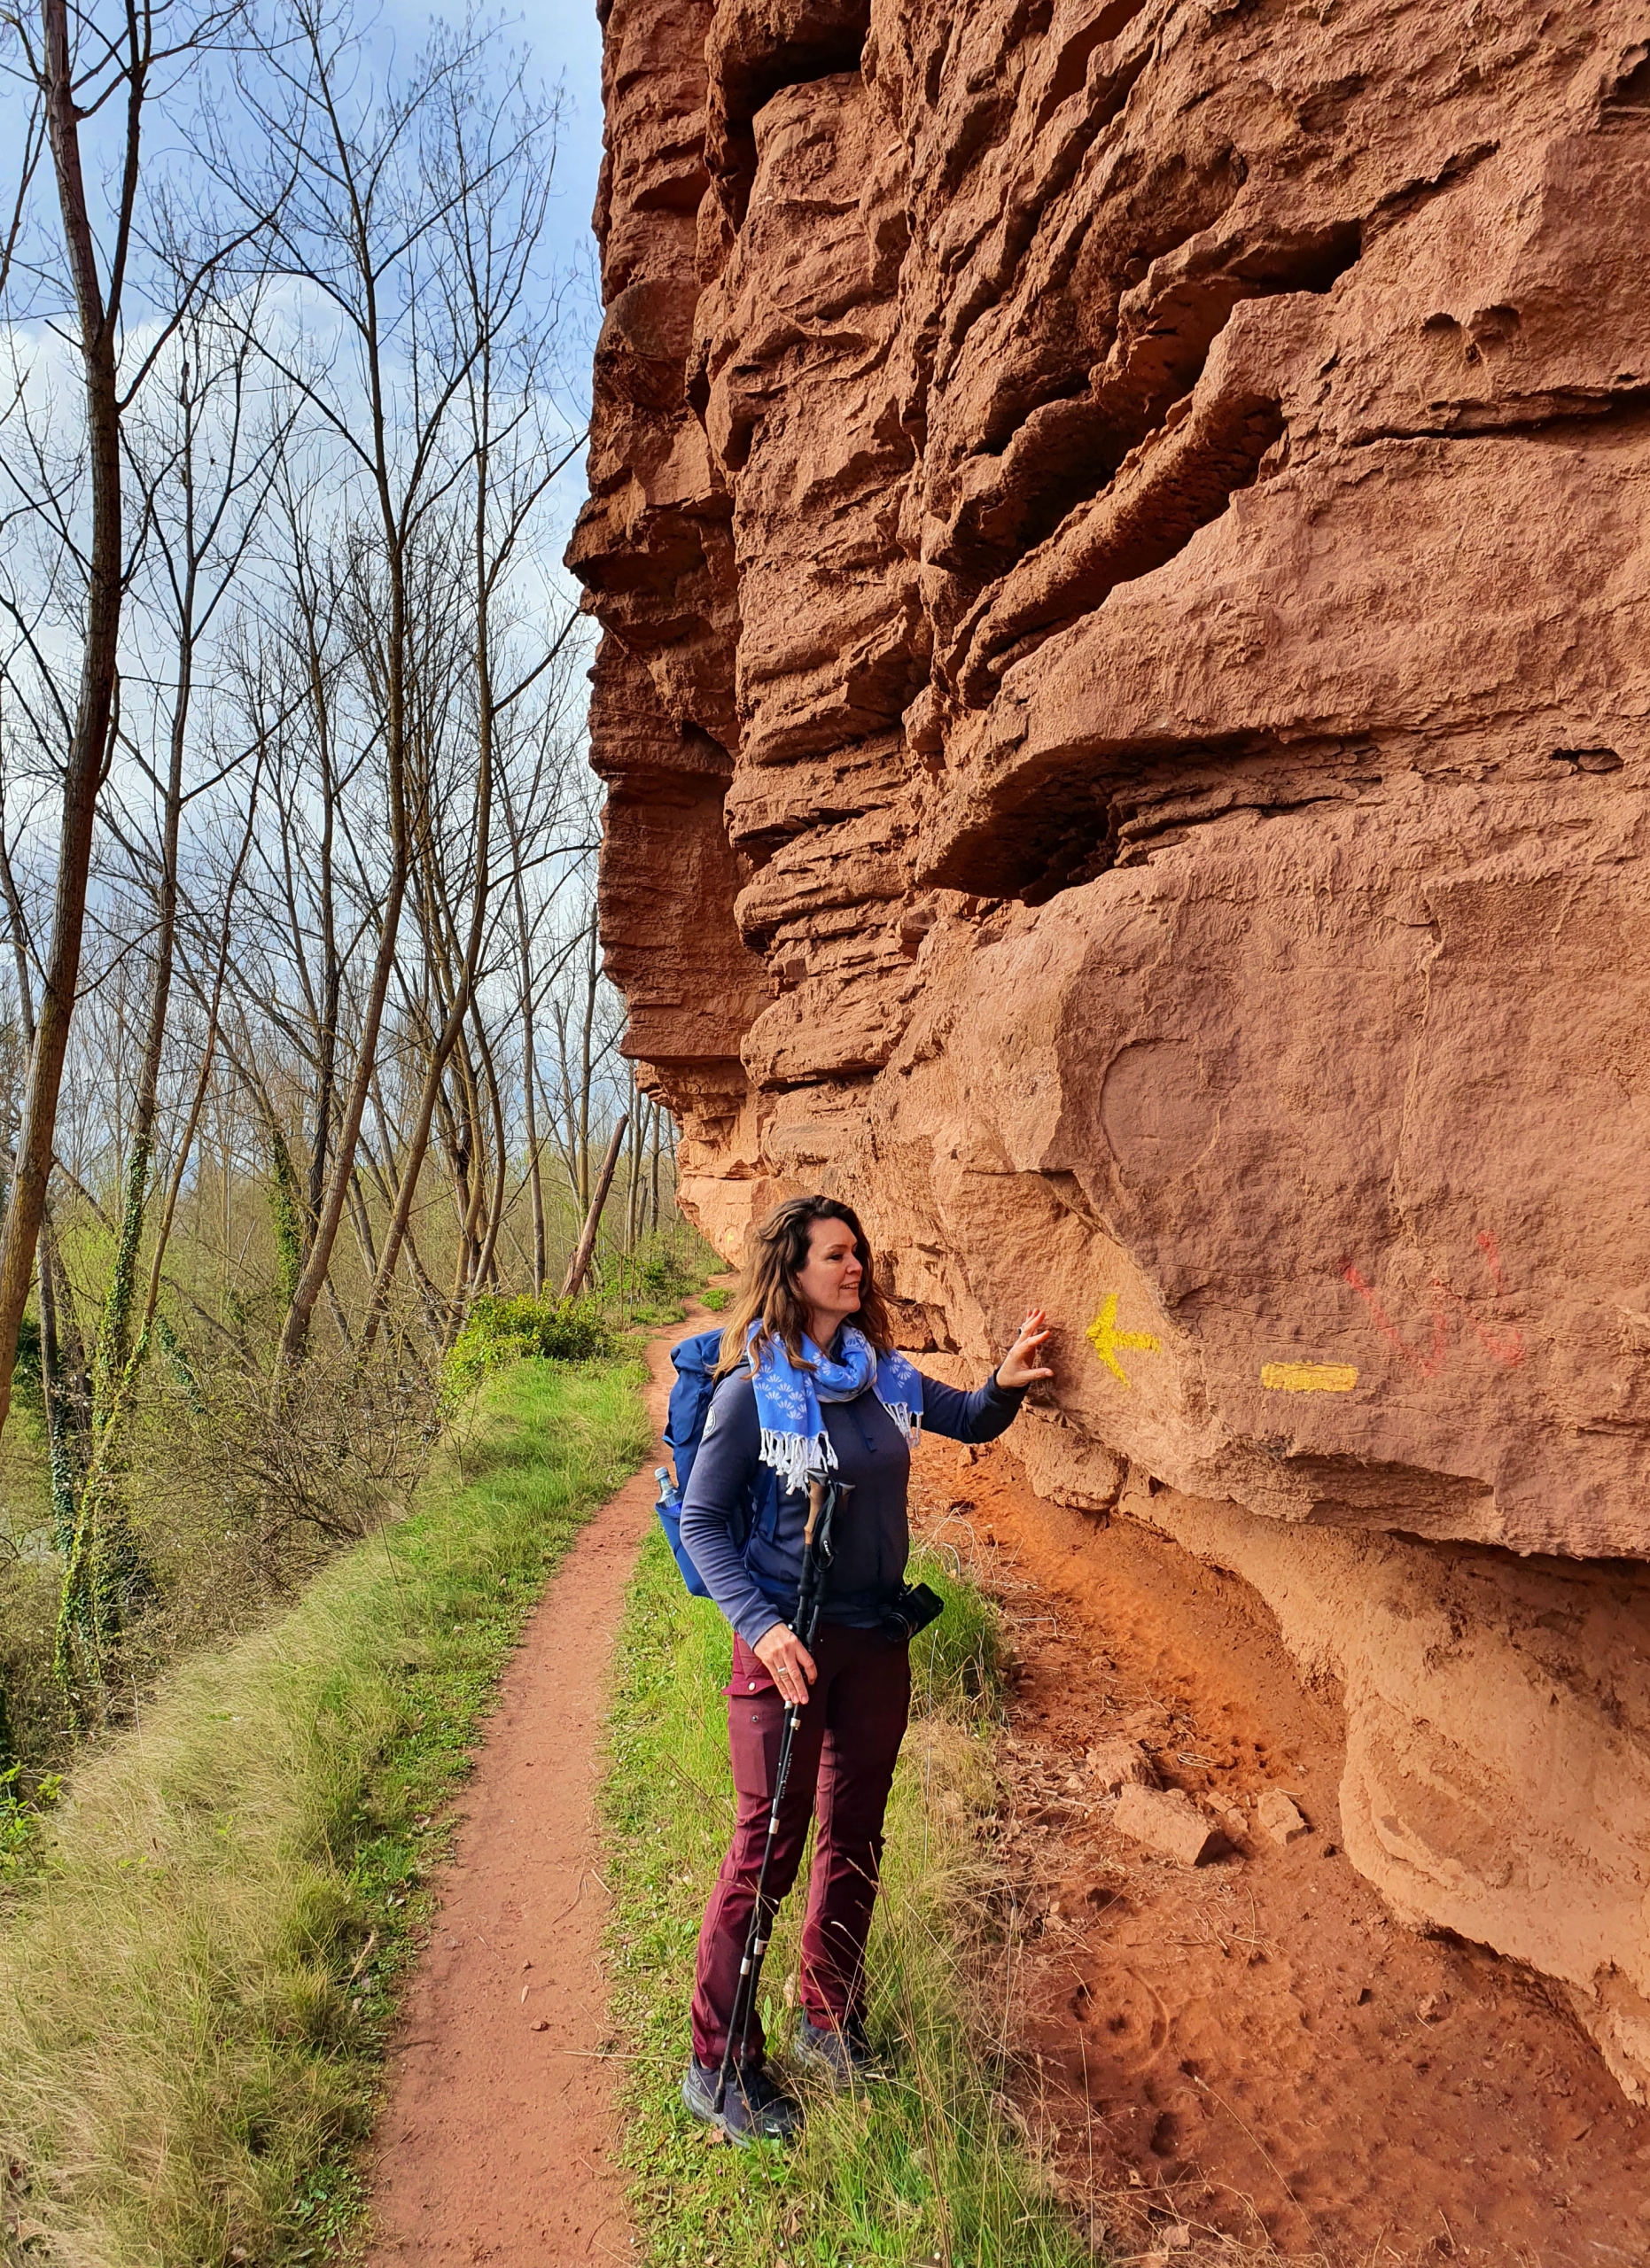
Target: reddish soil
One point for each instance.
(493, 2145)
(1252, 2052)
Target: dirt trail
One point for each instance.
(493, 2145)
(1252, 2052)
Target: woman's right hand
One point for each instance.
(787, 1661)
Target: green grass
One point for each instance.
(931, 2162)
(195, 1989)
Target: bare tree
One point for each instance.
(380, 172)
(201, 461)
(75, 64)
(304, 680)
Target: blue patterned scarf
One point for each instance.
(794, 1440)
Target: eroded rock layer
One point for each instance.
(1119, 526)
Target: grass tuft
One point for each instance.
(933, 2161)
(195, 1987)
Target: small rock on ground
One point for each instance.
(1279, 1817)
(1164, 1820)
(1116, 1764)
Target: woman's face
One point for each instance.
(829, 1280)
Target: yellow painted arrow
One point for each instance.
(1106, 1338)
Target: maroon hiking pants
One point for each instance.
(842, 1766)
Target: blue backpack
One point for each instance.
(696, 1361)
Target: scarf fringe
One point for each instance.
(910, 1423)
(798, 1458)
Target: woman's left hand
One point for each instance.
(1019, 1366)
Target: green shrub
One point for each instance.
(959, 1662)
(664, 1274)
(26, 1371)
(19, 1820)
(716, 1297)
(502, 1330)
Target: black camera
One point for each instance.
(912, 1608)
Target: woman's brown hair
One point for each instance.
(776, 1252)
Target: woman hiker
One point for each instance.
(811, 1385)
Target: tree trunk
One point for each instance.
(88, 744)
(486, 1264)
(331, 970)
(464, 990)
(306, 1291)
(580, 1260)
(529, 1082)
(633, 1169)
(586, 1069)
(64, 1411)
(115, 1336)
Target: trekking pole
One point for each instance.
(823, 1497)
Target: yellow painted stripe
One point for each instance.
(1309, 1377)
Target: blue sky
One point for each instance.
(567, 41)
(566, 44)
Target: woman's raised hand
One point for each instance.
(1019, 1366)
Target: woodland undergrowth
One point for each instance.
(231, 1498)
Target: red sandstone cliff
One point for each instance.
(1120, 534)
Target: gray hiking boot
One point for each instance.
(753, 2109)
(839, 2055)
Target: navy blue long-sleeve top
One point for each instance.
(757, 1586)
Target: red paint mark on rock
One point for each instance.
(1507, 1348)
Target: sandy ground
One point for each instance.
(1251, 2051)
(493, 2145)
